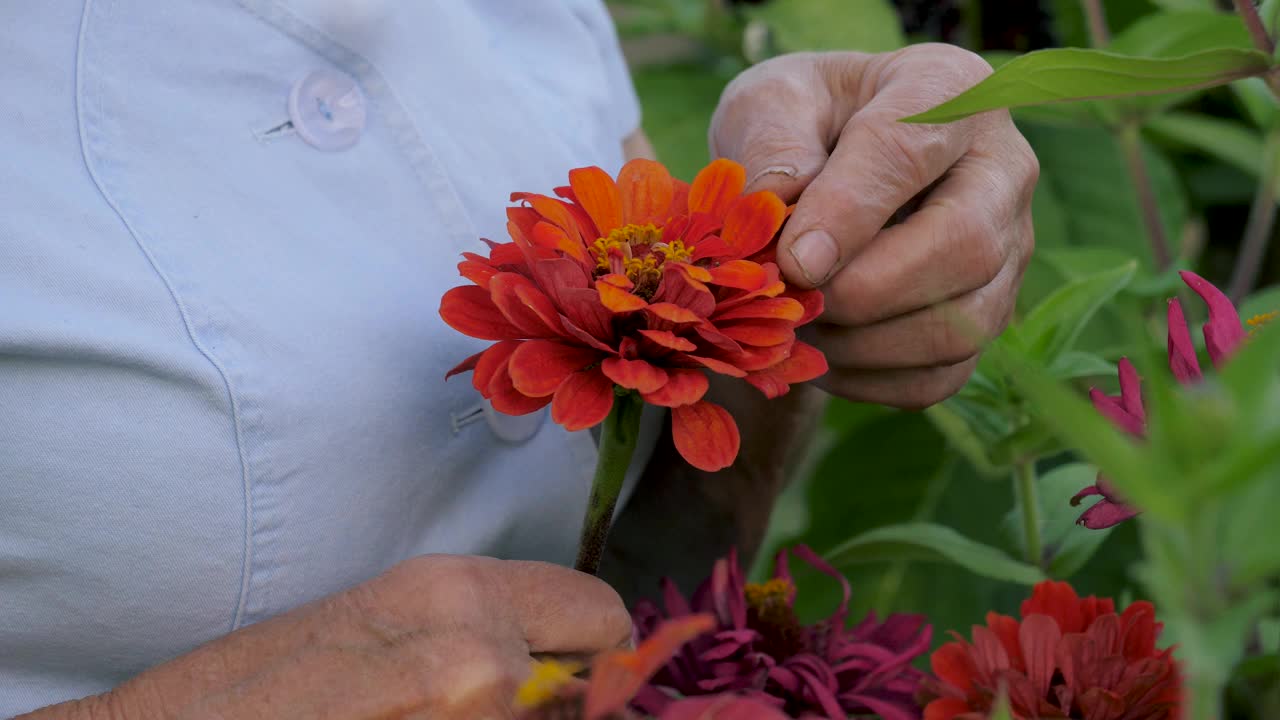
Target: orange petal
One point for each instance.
(741, 274)
(619, 300)
(539, 366)
(647, 191)
(779, 308)
(470, 310)
(716, 187)
(634, 374)
(812, 300)
(672, 313)
(553, 237)
(754, 358)
(524, 305)
(477, 269)
(668, 340)
(752, 221)
(679, 198)
(805, 363)
(684, 386)
(719, 366)
(616, 676)
(500, 391)
(596, 192)
(583, 400)
(705, 435)
(761, 333)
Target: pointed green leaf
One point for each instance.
(1066, 74)
(929, 542)
(1053, 326)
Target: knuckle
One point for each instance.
(949, 343)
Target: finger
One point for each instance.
(962, 237)
(909, 389)
(771, 121)
(561, 610)
(878, 164)
(937, 336)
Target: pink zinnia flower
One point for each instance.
(761, 651)
(1223, 334)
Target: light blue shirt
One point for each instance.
(221, 363)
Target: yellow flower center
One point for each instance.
(544, 683)
(1256, 322)
(638, 252)
(769, 613)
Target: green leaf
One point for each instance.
(1053, 326)
(1180, 33)
(1227, 140)
(809, 25)
(1184, 4)
(1067, 74)
(936, 543)
(1074, 364)
(947, 417)
(1257, 101)
(678, 101)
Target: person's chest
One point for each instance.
(223, 364)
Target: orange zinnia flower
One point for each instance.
(639, 285)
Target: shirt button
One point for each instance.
(328, 110)
(513, 428)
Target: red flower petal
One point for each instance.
(504, 396)
(477, 269)
(1006, 629)
(524, 305)
(812, 300)
(945, 709)
(719, 366)
(1106, 513)
(618, 300)
(668, 340)
(1115, 412)
(554, 238)
(1140, 630)
(1182, 351)
(779, 308)
(647, 191)
(705, 435)
(539, 366)
(1224, 333)
(752, 221)
(583, 400)
(761, 333)
(1038, 638)
(682, 285)
(596, 192)
(490, 361)
(555, 211)
(953, 664)
(741, 274)
(684, 386)
(616, 676)
(466, 365)
(805, 363)
(470, 310)
(716, 187)
(672, 313)
(634, 374)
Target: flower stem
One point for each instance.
(1024, 486)
(617, 445)
(1258, 230)
(1099, 35)
(1261, 39)
(1131, 146)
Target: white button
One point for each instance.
(513, 428)
(327, 110)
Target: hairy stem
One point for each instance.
(1131, 145)
(1259, 229)
(617, 444)
(1024, 486)
(1099, 34)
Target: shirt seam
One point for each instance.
(179, 305)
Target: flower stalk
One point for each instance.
(1024, 474)
(1258, 229)
(618, 437)
(1131, 145)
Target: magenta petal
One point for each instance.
(1112, 409)
(1105, 514)
(1182, 352)
(1091, 490)
(1224, 332)
(1131, 390)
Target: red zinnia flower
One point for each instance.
(642, 284)
(1223, 334)
(1067, 658)
(760, 650)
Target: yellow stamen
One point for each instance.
(641, 253)
(1256, 322)
(544, 683)
(769, 594)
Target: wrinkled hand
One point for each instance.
(907, 304)
(434, 637)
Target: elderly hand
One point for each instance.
(437, 636)
(905, 302)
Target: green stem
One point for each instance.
(617, 445)
(1099, 34)
(1258, 230)
(1206, 697)
(1024, 485)
(1131, 145)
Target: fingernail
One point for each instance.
(816, 253)
(784, 170)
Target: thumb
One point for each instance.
(776, 120)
